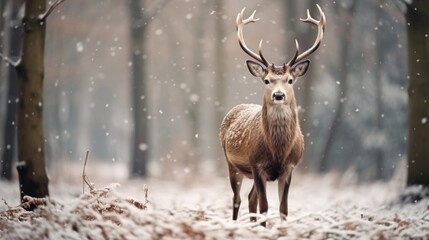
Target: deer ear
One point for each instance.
(255, 69)
(300, 68)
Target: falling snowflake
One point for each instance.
(79, 47)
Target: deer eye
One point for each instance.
(267, 81)
(290, 81)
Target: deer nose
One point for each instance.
(279, 96)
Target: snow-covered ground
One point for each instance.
(320, 207)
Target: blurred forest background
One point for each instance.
(353, 100)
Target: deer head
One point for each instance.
(279, 79)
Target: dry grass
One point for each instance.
(319, 209)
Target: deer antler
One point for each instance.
(240, 24)
(321, 28)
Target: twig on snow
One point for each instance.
(5, 203)
(319, 215)
(138, 204)
(344, 234)
(146, 191)
(85, 177)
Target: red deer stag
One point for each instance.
(265, 143)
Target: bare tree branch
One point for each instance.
(10, 61)
(154, 9)
(397, 9)
(150, 12)
(56, 3)
(401, 5)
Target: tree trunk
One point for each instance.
(220, 69)
(194, 105)
(307, 95)
(379, 52)
(139, 21)
(417, 17)
(13, 30)
(140, 142)
(343, 74)
(31, 166)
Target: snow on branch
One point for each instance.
(10, 61)
(56, 3)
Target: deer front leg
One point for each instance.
(259, 184)
(235, 179)
(283, 187)
(253, 202)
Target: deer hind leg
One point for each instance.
(283, 186)
(235, 178)
(253, 202)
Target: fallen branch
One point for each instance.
(314, 215)
(343, 234)
(5, 203)
(101, 193)
(30, 203)
(137, 204)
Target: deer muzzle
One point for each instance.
(279, 96)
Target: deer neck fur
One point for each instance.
(279, 123)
